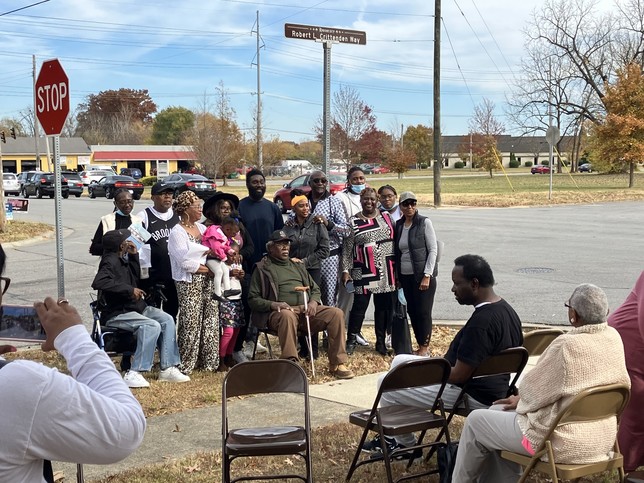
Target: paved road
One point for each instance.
(538, 254)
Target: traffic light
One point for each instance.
(3, 138)
(13, 132)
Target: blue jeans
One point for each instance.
(153, 328)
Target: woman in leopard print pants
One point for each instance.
(198, 320)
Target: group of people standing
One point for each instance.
(174, 261)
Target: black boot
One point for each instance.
(380, 327)
(351, 343)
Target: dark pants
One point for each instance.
(419, 307)
(383, 314)
(245, 334)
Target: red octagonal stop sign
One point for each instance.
(52, 97)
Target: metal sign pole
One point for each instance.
(59, 219)
(326, 116)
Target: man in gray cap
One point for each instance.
(123, 306)
(159, 219)
(276, 304)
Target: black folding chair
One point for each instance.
(401, 419)
(273, 376)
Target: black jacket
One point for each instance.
(115, 281)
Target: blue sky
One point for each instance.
(180, 51)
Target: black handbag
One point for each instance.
(446, 458)
(400, 335)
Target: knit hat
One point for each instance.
(112, 240)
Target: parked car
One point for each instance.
(381, 170)
(41, 184)
(203, 187)
(133, 172)
(74, 182)
(10, 184)
(282, 197)
(94, 175)
(366, 168)
(22, 178)
(108, 185)
(540, 169)
(585, 168)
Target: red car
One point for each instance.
(540, 169)
(380, 170)
(282, 197)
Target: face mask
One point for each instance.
(119, 212)
(357, 188)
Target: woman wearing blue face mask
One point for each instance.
(121, 217)
(350, 197)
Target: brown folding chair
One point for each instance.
(266, 377)
(537, 341)
(590, 405)
(509, 361)
(401, 419)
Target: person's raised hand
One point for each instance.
(55, 317)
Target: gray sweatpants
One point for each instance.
(486, 432)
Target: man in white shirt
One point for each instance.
(89, 418)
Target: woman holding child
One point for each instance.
(198, 329)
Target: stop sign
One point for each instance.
(52, 97)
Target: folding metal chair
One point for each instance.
(509, 361)
(401, 419)
(590, 405)
(538, 341)
(266, 377)
(112, 340)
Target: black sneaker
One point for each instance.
(392, 445)
(374, 444)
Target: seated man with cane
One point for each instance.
(276, 304)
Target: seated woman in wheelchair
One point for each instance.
(589, 355)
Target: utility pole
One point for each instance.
(438, 162)
(326, 108)
(260, 154)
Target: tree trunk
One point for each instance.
(631, 174)
(491, 175)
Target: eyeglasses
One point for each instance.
(320, 180)
(128, 201)
(5, 282)
(197, 206)
(408, 203)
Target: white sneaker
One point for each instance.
(388, 342)
(361, 340)
(239, 357)
(249, 346)
(135, 379)
(172, 374)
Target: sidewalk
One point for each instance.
(194, 430)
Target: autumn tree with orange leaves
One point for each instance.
(618, 142)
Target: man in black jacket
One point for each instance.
(123, 306)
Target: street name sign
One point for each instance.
(325, 34)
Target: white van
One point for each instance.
(100, 167)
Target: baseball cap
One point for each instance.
(160, 187)
(407, 195)
(279, 235)
(112, 239)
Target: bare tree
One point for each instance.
(483, 121)
(217, 140)
(352, 119)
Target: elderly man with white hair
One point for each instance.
(589, 355)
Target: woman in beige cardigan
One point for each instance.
(590, 354)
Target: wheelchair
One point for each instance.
(112, 340)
